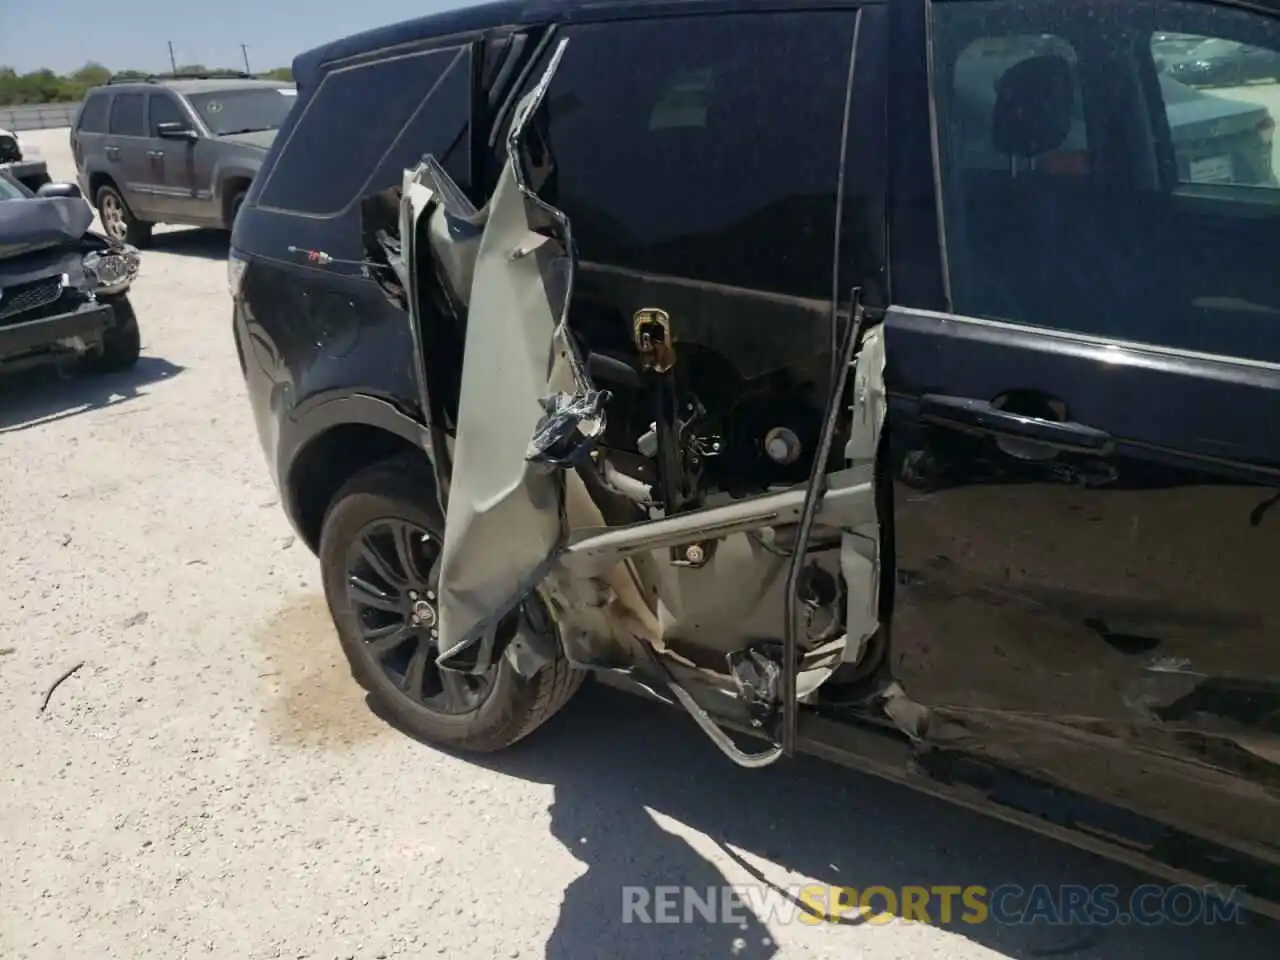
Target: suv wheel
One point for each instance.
(379, 554)
(118, 220)
(236, 203)
(122, 344)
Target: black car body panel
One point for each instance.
(1079, 449)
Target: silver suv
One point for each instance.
(174, 149)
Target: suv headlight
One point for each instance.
(111, 271)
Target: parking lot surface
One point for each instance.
(211, 782)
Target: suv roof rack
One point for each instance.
(194, 75)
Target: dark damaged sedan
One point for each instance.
(63, 287)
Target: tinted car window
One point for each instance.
(1130, 205)
(676, 152)
(978, 69)
(347, 127)
(126, 115)
(93, 118)
(8, 191)
(439, 127)
(243, 111)
(164, 109)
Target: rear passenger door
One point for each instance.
(127, 150)
(89, 132)
(695, 184)
(1084, 441)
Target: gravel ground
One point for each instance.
(212, 783)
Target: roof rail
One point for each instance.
(181, 75)
(207, 75)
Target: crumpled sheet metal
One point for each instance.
(30, 224)
(521, 378)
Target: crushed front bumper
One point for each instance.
(75, 330)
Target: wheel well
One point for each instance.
(231, 188)
(333, 458)
(96, 182)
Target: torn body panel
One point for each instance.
(526, 407)
(644, 565)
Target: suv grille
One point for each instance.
(29, 296)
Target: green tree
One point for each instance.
(92, 74)
(45, 86)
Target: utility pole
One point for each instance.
(173, 63)
(244, 51)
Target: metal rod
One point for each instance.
(607, 545)
(813, 497)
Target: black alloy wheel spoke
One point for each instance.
(369, 551)
(366, 594)
(405, 538)
(392, 569)
(383, 641)
(415, 674)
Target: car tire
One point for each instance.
(395, 494)
(236, 203)
(118, 220)
(122, 344)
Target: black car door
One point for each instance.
(1083, 423)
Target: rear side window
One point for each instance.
(678, 150)
(93, 118)
(338, 149)
(127, 115)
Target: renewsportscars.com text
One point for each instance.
(1009, 904)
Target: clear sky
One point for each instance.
(133, 34)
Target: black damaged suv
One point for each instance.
(889, 379)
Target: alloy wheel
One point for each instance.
(112, 213)
(392, 577)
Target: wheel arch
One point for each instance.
(231, 186)
(97, 180)
(339, 438)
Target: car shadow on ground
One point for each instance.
(43, 395)
(613, 758)
(203, 242)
